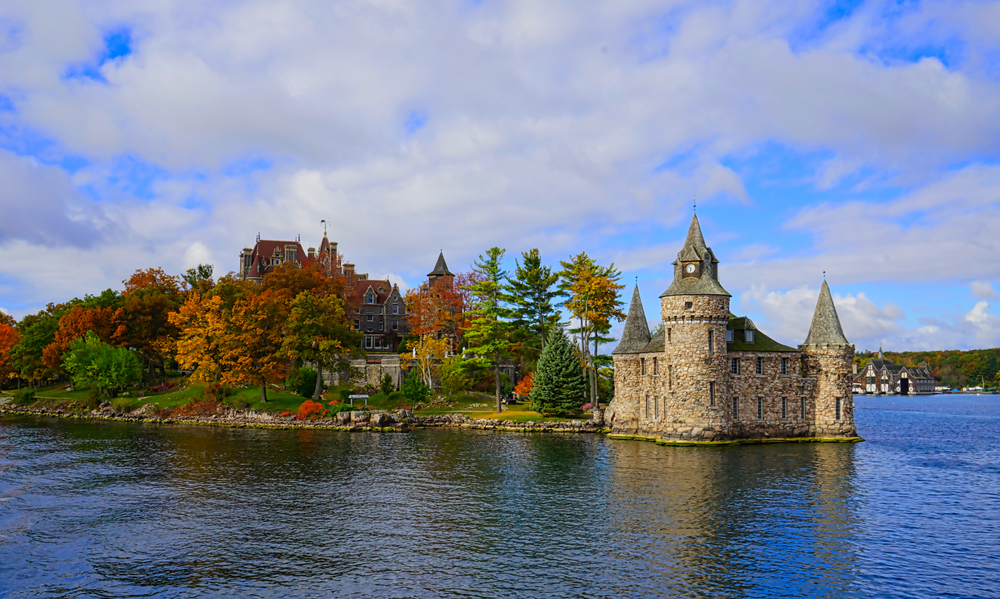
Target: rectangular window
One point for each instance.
(802, 408)
(760, 365)
(357, 324)
(729, 335)
(668, 335)
(784, 366)
(395, 308)
(840, 401)
(760, 408)
(381, 326)
(656, 367)
(736, 408)
(647, 406)
(711, 393)
(749, 335)
(656, 408)
(688, 305)
(784, 408)
(711, 348)
(368, 342)
(395, 325)
(370, 318)
(642, 365)
(670, 376)
(735, 365)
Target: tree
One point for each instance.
(150, 296)
(199, 277)
(593, 299)
(414, 388)
(252, 346)
(531, 294)
(487, 334)
(202, 323)
(453, 377)
(436, 309)
(90, 361)
(102, 321)
(426, 354)
(8, 340)
(559, 385)
(319, 332)
(36, 332)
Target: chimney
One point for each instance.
(311, 252)
(349, 269)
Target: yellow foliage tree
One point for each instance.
(426, 355)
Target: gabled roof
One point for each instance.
(441, 268)
(761, 342)
(656, 344)
(635, 336)
(825, 329)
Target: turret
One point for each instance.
(441, 272)
(827, 357)
(635, 335)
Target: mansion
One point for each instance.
(882, 377)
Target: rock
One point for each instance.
(380, 420)
(105, 404)
(359, 416)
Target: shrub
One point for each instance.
(587, 407)
(311, 410)
(218, 392)
(161, 387)
(387, 385)
(24, 397)
(415, 389)
(237, 402)
(123, 405)
(303, 381)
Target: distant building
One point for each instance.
(882, 377)
(379, 313)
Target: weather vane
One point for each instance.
(324, 227)
(694, 200)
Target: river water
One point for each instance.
(100, 509)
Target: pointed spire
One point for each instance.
(696, 250)
(825, 329)
(441, 268)
(694, 237)
(636, 335)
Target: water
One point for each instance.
(94, 509)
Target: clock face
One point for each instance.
(690, 268)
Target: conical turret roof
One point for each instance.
(695, 250)
(825, 329)
(636, 334)
(441, 268)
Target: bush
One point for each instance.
(303, 381)
(415, 389)
(218, 392)
(24, 397)
(123, 405)
(236, 401)
(311, 410)
(387, 385)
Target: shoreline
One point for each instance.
(395, 423)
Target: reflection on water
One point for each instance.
(116, 510)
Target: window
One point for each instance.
(784, 366)
(760, 365)
(729, 335)
(670, 376)
(642, 366)
(381, 326)
(802, 408)
(668, 335)
(749, 335)
(357, 324)
(370, 318)
(711, 349)
(647, 406)
(735, 365)
(840, 403)
(688, 305)
(371, 330)
(368, 342)
(656, 408)
(370, 298)
(784, 408)
(736, 408)
(395, 325)
(395, 308)
(656, 367)
(760, 408)
(711, 393)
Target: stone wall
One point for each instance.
(831, 367)
(769, 389)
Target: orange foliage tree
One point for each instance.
(437, 309)
(150, 296)
(251, 347)
(8, 339)
(73, 325)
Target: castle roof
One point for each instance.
(635, 336)
(441, 268)
(761, 342)
(825, 329)
(695, 250)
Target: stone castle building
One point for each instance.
(710, 376)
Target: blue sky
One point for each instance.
(856, 138)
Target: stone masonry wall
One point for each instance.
(769, 389)
(831, 366)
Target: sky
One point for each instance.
(856, 139)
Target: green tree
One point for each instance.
(531, 294)
(487, 334)
(195, 276)
(387, 385)
(90, 361)
(453, 377)
(319, 332)
(415, 389)
(559, 385)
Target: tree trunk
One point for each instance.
(597, 382)
(263, 391)
(496, 377)
(318, 391)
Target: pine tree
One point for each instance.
(530, 294)
(559, 385)
(488, 330)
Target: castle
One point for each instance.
(710, 376)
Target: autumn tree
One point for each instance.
(8, 340)
(531, 295)
(103, 321)
(426, 354)
(199, 277)
(436, 308)
(150, 296)
(252, 345)
(319, 332)
(90, 361)
(487, 332)
(36, 332)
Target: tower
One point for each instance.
(827, 356)
(441, 273)
(695, 311)
(624, 412)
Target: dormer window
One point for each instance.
(729, 335)
(370, 298)
(749, 336)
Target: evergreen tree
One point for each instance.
(487, 334)
(415, 389)
(530, 294)
(559, 385)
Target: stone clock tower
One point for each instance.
(695, 311)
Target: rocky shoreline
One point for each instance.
(360, 421)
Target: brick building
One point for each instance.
(710, 376)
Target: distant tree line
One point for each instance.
(951, 368)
